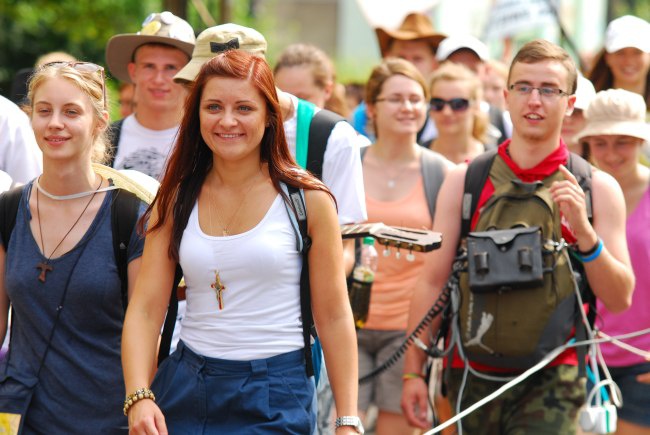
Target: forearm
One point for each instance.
(611, 281)
(339, 343)
(139, 348)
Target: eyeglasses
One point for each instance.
(455, 104)
(86, 67)
(546, 92)
(397, 100)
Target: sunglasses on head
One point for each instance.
(86, 67)
(455, 104)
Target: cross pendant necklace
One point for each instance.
(44, 266)
(219, 288)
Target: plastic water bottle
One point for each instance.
(362, 277)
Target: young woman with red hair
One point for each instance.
(220, 212)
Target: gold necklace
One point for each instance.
(225, 228)
(45, 266)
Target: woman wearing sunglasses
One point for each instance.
(456, 95)
(58, 268)
(396, 96)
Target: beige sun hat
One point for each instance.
(214, 40)
(616, 112)
(160, 28)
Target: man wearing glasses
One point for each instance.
(149, 59)
(541, 84)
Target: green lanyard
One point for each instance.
(305, 112)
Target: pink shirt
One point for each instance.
(395, 279)
(637, 317)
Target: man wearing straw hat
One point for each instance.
(150, 59)
(416, 41)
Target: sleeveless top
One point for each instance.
(260, 269)
(636, 317)
(395, 279)
(80, 387)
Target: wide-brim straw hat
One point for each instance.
(414, 27)
(616, 112)
(217, 39)
(159, 28)
(136, 182)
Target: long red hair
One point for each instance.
(191, 159)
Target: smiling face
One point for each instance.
(630, 66)
(537, 118)
(615, 154)
(233, 118)
(63, 119)
(153, 72)
(400, 107)
(448, 121)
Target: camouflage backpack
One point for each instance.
(517, 293)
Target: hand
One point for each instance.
(145, 418)
(644, 378)
(571, 198)
(415, 402)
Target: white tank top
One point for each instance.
(260, 270)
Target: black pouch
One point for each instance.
(15, 398)
(502, 260)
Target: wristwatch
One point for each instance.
(355, 422)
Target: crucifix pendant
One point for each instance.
(44, 267)
(219, 288)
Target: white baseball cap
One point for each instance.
(453, 43)
(585, 92)
(627, 31)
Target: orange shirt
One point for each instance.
(395, 279)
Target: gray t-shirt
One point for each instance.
(81, 387)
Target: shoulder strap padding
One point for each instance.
(9, 203)
(320, 130)
(124, 217)
(477, 173)
(581, 169)
(433, 173)
(298, 209)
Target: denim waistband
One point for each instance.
(217, 366)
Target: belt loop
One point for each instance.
(259, 368)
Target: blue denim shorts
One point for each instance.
(201, 395)
(636, 395)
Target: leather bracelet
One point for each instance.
(142, 393)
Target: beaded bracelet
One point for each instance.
(407, 376)
(142, 393)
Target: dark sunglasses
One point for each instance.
(455, 104)
(86, 67)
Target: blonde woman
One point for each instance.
(58, 269)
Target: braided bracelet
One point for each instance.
(407, 376)
(142, 393)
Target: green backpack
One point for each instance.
(517, 293)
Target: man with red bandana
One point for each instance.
(541, 87)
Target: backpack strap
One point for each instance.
(433, 173)
(114, 135)
(170, 319)
(320, 130)
(477, 174)
(304, 114)
(9, 203)
(124, 216)
(298, 216)
(581, 169)
(313, 129)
